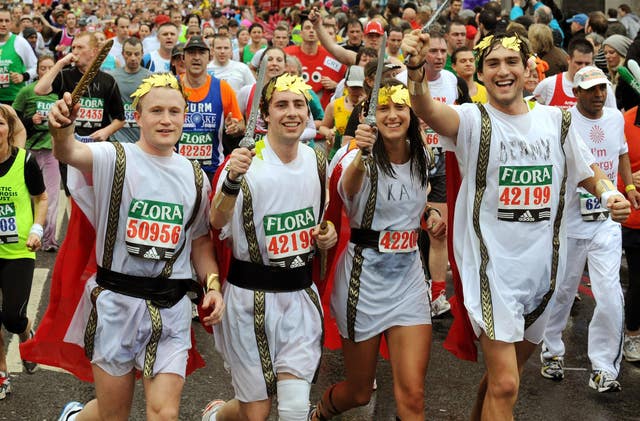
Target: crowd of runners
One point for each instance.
(308, 176)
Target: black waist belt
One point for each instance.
(162, 292)
(365, 238)
(268, 278)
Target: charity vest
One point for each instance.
(15, 211)
(559, 98)
(199, 138)
(10, 61)
(65, 40)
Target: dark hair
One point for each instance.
(625, 8)
(352, 22)
(132, 41)
(193, 15)
(366, 51)
(463, 91)
(255, 25)
(488, 19)
(456, 21)
(525, 51)
(115, 22)
(454, 55)
(580, 45)
(613, 13)
(417, 152)
(598, 22)
(264, 102)
(394, 28)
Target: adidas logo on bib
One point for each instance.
(152, 254)
(526, 217)
(296, 263)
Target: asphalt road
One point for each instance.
(450, 383)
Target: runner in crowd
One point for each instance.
(505, 296)
(593, 237)
(21, 231)
(33, 110)
(380, 286)
(271, 337)
(135, 315)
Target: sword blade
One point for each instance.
(373, 98)
(248, 140)
(435, 16)
(91, 72)
(430, 22)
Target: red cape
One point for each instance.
(75, 264)
(461, 338)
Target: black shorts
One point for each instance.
(438, 193)
(16, 276)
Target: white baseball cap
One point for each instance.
(588, 77)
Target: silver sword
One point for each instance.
(248, 141)
(370, 119)
(430, 22)
(225, 202)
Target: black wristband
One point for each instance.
(230, 187)
(416, 67)
(26, 76)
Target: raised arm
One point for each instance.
(65, 147)
(344, 56)
(43, 87)
(439, 116)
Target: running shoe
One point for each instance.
(603, 381)
(72, 408)
(29, 367)
(631, 348)
(213, 407)
(5, 384)
(440, 305)
(552, 368)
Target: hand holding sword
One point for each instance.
(241, 157)
(367, 139)
(64, 112)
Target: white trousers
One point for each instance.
(603, 252)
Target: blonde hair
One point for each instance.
(541, 38)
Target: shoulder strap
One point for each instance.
(481, 185)
(358, 260)
(530, 318)
(198, 179)
(119, 171)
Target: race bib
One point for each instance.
(524, 193)
(431, 138)
(153, 229)
(8, 225)
(288, 238)
(591, 209)
(43, 108)
(129, 121)
(90, 112)
(398, 241)
(196, 145)
(332, 64)
(5, 78)
(83, 139)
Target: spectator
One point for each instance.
(542, 45)
(630, 21)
